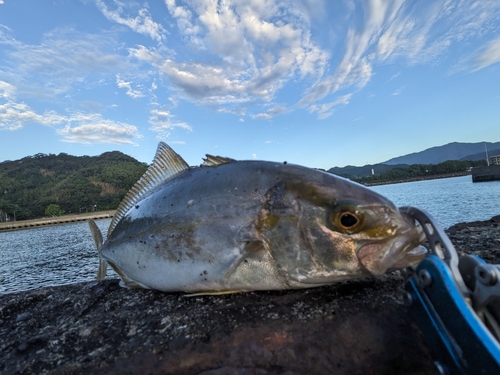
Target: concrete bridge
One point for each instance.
(27, 224)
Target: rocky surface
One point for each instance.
(481, 238)
(357, 327)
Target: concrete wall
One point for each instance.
(26, 224)
(490, 173)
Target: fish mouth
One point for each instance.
(400, 251)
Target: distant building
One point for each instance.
(495, 160)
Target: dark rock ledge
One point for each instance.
(357, 327)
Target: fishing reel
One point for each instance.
(455, 301)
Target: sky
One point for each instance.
(313, 82)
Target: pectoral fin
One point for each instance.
(250, 248)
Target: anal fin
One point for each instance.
(103, 268)
(131, 284)
(126, 282)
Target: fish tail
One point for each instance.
(97, 235)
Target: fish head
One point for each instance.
(382, 237)
(342, 230)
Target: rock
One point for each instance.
(23, 317)
(356, 327)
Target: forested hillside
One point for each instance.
(351, 171)
(420, 171)
(28, 186)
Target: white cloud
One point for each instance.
(489, 56)
(395, 75)
(6, 90)
(142, 23)
(62, 59)
(246, 51)
(325, 110)
(415, 32)
(128, 86)
(237, 55)
(75, 127)
(398, 91)
(270, 113)
(184, 20)
(91, 129)
(254, 156)
(355, 67)
(424, 32)
(14, 115)
(163, 123)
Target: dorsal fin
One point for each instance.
(166, 165)
(212, 161)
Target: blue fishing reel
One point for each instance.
(455, 301)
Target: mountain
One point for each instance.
(439, 154)
(481, 155)
(357, 172)
(29, 185)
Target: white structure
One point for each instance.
(495, 160)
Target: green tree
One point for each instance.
(53, 210)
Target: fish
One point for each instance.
(231, 226)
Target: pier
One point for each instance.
(489, 173)
(27, 224)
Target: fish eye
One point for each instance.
(348, 220)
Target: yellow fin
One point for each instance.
(212, 161)
(166, 165)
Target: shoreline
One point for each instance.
(422, 178)
(57, 220)
(359, 326)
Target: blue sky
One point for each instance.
(312, 82)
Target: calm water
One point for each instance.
(66, 254)
(449, 200)
(52, 255)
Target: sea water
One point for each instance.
(65, 254)
(449, 200)
(50, 255)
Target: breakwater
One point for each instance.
(27, 224)
(420, 178)
(489, 173)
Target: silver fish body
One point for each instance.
(254, 225)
